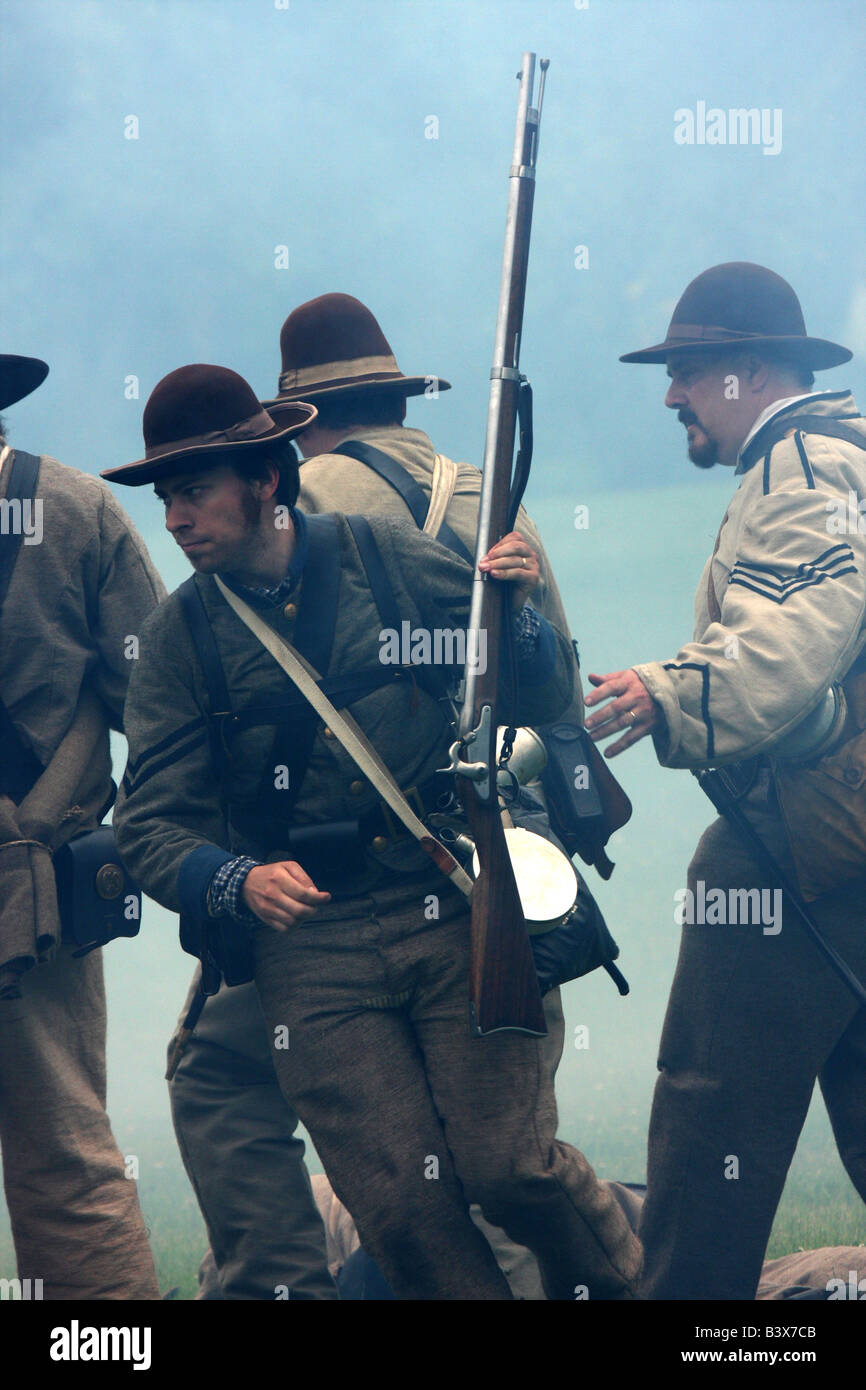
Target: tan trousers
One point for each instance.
(76, 1220)
(414, 1120)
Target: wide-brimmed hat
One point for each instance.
(202, 411)
(741, 304)
(333, 345)
(19, 376)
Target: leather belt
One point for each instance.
(381, 823)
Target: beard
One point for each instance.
(227, 556)
(703, 453)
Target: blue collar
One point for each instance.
(270, 595)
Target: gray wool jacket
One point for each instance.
(78, 595)
(170, 819)
(80, 590)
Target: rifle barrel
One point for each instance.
(505, 371)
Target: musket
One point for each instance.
(503, 985)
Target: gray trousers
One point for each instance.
(236, 1134)
(237, 1140)
(414, 1120)
(753, 1019)
(76, 1220)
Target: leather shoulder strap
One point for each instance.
(205, 644)
(402, 482)
(377, 576)
(23, 476)
(317, 616)
(776, 430)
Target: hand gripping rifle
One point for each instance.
(503, 985)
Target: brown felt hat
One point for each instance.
(19, 376)
(741, 304)
(333, 345)
(202, 412)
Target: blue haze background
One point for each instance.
(305, 126)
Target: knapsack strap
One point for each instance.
(314, 633)
(377, 575)
(402, 481)
(441, 492)
(205, 644)
(435, 680)
(776, 430)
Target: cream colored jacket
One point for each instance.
(789, 573)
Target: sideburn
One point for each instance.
(251, 508)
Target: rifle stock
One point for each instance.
(504, 990)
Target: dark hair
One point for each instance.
(789, 362)
(284, 458)
(783, 361)
(361, 408)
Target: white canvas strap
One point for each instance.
(441, 492)
(344, 727)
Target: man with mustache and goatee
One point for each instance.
(772, 686)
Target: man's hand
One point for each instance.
(514, 559)
(631, 707)
(281, 894)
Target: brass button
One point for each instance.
(356, 788)
(109, 881)
(379, 843)
(852, 775)
(291, 610)
(329, 733)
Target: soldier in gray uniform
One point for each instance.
(363, 982)
(73, 594)
(772, 679)
(224, 1092)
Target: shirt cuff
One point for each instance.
(527, 627)
(224, 892)
(534, 645)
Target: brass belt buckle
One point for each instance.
(392, 826)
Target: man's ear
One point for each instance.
(756, 371)
(265, 487)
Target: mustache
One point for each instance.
(687, 417)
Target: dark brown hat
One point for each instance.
(740, 303)
(202, 411)
(333, 345)
(19, 376)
